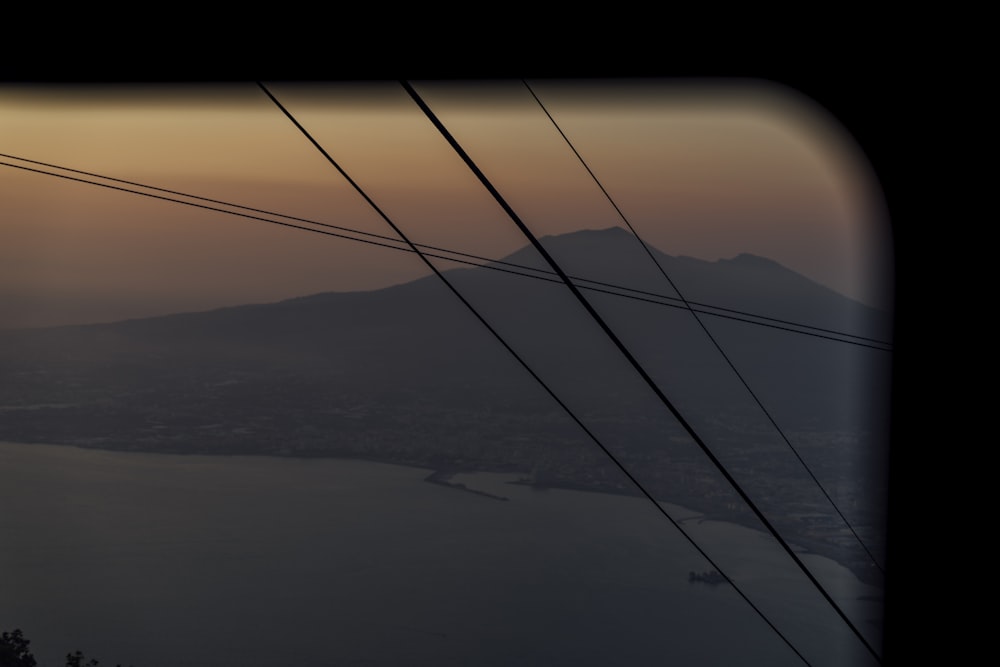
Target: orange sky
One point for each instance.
(705, 171)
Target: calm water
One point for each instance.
(161, 560)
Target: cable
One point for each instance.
(633, 361)
(202, 206)
(704, 328)
(521, 361)
(491, 264)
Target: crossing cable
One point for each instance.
(491, 264)
(704, 328)
(633, 361)
(524, 364)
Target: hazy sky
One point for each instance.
(705, 170)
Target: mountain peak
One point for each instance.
(748, 260)
(591, 234)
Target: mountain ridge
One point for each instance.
(419, 328)
(644, 275)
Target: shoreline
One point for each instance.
(441, 476)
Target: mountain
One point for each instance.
(417, 339)
(413, 354)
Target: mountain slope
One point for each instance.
(417, 340)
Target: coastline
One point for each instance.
(442, 476)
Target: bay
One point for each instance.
(158, 560)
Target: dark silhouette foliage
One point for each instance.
(76, 660)
(14, 650)
(14, 653)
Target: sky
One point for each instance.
(707, 169)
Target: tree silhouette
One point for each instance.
(14, 653)
(76, 660)
(14, 650)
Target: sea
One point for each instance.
(160, 560)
